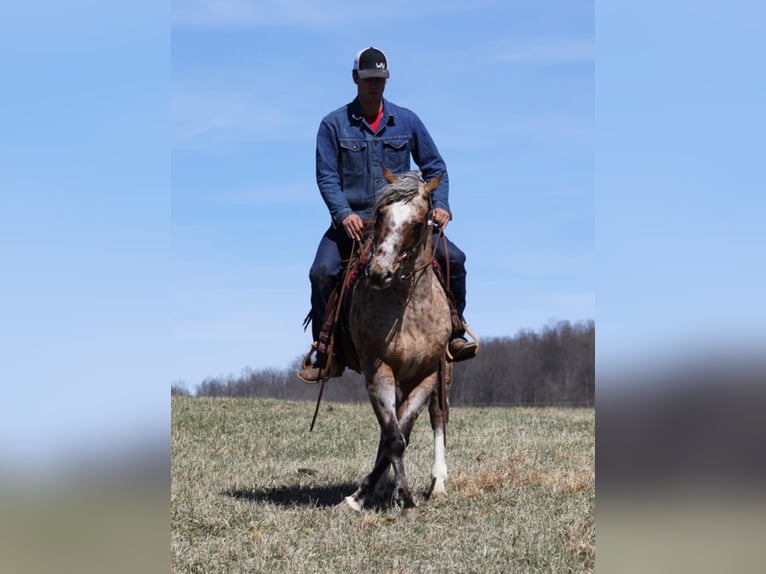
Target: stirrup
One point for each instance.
(307, 359)
(474, 343)
(310, 373)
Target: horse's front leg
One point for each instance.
(383, 489)
(381, 387)
(408, 412)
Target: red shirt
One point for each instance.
(374, 121)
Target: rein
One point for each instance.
(425, 242)
(325, 371)
(444, 371)
(444, 374)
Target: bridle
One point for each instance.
(411, 254)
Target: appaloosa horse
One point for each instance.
(399, 322)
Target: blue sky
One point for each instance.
(84, 223)
(505, 88)
(158, 211)
(680, 182)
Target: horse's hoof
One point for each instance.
(347, 506)
(437, 496)
(411, 513)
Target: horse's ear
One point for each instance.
(431, 185)
(390, 176)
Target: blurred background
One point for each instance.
(680, 456)
(680, 317)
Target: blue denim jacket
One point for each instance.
(348, 153)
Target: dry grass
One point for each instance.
(254, 491)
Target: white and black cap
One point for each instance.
(371, 63)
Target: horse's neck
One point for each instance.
(424, 273)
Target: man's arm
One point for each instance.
(429, 160)
(328, 173)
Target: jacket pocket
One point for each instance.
(396, 154)
(353, 155)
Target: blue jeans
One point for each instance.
(335, 248)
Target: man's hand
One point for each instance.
(441, 217)
(353, 226)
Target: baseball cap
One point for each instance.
(371, 63)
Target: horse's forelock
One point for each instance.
(403, 190)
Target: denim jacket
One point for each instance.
(349, 156)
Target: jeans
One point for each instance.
(335, 248)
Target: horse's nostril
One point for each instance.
(381, 280)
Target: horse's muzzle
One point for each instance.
(380, 280)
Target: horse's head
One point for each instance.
(401, 227)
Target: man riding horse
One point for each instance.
(354, 144)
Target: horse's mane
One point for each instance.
(403, 190)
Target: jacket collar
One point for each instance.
(355, 112)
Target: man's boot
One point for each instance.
(313, 373)
(459, 348)
(310, 373)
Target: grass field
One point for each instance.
(254, 491)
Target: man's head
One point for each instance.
(370, 63)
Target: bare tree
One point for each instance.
(554, 367)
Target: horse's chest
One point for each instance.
(385, 323)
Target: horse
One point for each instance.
(399, 323)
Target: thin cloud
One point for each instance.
(234, 117)
(288, 194)
(256, 13)
(309, 14)
(487, 136)
(549, 51)
(223, 13)
(542, 264)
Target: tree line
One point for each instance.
(555, 367)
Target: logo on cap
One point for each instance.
(371, 63)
